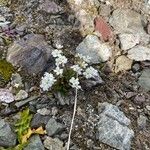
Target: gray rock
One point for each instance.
(39, 120)
(144, 80)
(43, 111)
(30, 53)
(53, 127)
(93, 47)
(113, 112)
(129, 21)
(50, 7)
(24, 102)
(139, 53)
(92, 82)
(35, 143)
(7, 136)
(128, 40)
(126, 21)
(112, 127)
(22, 94)
(16, 80)
(141, 121)
(53, 144)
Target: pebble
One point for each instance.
(6, 96)
(139, 53)
(43, 111)
(53, 127)
(141, 122)
(22, 94)
(53, 144)
(128, 40)
(123, 63)
(144, 80)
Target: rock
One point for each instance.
(104, 10)
(136, 67)
(39, 120)
(139, 99)
(148, 28)
(30, 53)
(50, 7)
(35, 143)
(53, 144)
(113, 127)
(6, 96)
(53, 127)
(144, 80)
(7, 136)
(126, 21)
(113, 112)
(141, 121)
(16, 80)
(122, 64)
(103, 28)
(139, 53)
(129, 21)
(22, 94)
(24, 102)
(43, 111)
(128, 40)
(86, 21)
(93, 47)
(87, 84)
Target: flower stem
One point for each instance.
(72, 121)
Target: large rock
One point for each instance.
(31, 53)
(35, 143)
(113, 127)
(144, 80)
(126, 21)
(139, 53)
(129, 21)
(93, 47)
(7, 136)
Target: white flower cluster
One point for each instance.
(81, 68)
(60, 60)
(47, 81)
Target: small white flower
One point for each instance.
(77, 69)
(58, 71)
(59, 46)
(75, 83)
(90, 72)
(83, 64)
(56, 53)
(61, 60)
(47, 81)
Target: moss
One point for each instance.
(6, 70)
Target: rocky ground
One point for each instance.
(112, 112)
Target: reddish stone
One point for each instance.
(103, 28)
